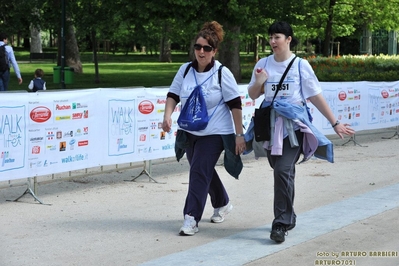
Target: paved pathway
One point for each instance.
(244, 247)
(347, 214)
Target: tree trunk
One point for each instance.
(35, 40)
(95, 57)
(191, 54)
(328, 31)
(51, 38)
(229, 53)
(367, 41)
(165, 49)
(72, 55)
(256, 48)
(264, 43)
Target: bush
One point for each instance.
(356, 68)
(343, 68)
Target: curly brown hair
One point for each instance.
(212, 32)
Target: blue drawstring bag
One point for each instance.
(194, 115)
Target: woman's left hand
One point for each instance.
(344, 129)
(240, 145)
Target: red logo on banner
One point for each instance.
(50, 135)
(36, 150)
(146, 107)
(384, 94)
(83, 143)
(77, 115)
(342, 95)
(40, 114)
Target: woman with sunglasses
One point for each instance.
(224, 131)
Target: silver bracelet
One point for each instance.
(240, 135)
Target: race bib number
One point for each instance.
(286, 89)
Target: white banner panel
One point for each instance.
(118, 125)
(57, 131)
(61, 131)
(13, 135)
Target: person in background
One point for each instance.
(37, 83)
(283, 151)
(223, 132)
(5, 75)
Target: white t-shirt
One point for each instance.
(221, 122)
(291, 86)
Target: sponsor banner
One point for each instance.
(13, 137)
(119, 125)
(14, 143)
(59, 131)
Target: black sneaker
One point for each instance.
(279, 231)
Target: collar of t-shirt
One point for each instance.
(207, 68)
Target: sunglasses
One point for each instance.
(207, 48)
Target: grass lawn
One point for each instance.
(115, 71)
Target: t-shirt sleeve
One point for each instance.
(310, 83)
(229, 85)
(177, 82)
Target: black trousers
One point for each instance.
(203, 154)
(284, 180)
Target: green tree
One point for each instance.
(331, 19)
(159, 24)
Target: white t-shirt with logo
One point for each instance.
(221, 122)
(291, 86)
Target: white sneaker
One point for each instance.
(220, 213)
(189, 227)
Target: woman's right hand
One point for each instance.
(257, 88)
(261, 76)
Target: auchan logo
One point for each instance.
(40, 114)
(146, 107)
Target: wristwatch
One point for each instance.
(239, 135)
(336, 123)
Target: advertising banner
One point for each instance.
(58, 131)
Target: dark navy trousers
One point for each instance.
(284, 180)
(4, 79)
(202, 155)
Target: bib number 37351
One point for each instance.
(284, 87)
